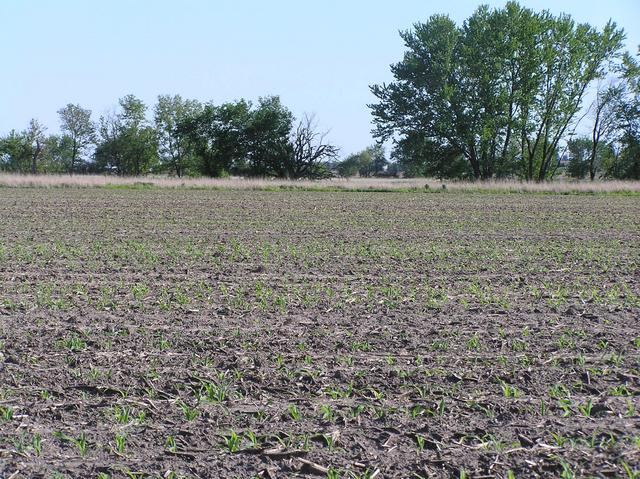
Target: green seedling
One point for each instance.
(232, 442)
(121, 442)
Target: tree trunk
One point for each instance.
(595, 136)
(34, 159)
(473, 159)
(74, 154)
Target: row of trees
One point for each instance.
(185, 137)
(502, 95)
(369, 162)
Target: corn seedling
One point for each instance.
(232, 442)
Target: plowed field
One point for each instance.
(198, 334)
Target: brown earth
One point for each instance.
(172, 333)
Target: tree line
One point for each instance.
(502, 96)
(184, 137)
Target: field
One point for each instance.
(174, 333)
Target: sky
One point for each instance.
(320, 57)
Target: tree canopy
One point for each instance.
(185, 137)
(500, 91)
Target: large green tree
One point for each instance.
(217, 135)
(79, 130)
(173, 148)
(267, 137)
(500, 91)
(128, 143)
(572, 56)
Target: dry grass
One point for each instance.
(359, 184)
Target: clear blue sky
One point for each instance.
(318, 56)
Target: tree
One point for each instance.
(237, 137)
(109, 153)
(629, 124)
(185, 138)
(369, 162)
(571, 58)
(309, 151)
(579, 150)
(349, 166)
(173, 148)
(365, 164)
(493, 68)
(128, 144)
(500, 91)
(30, 151)
(55, 158)
(35, 143)
(267, 137)
(374, 161)
(15, 153)
(417, 104)
(417, 156)
(627, 163)
(605, 109)
(139, 137)
(76, 124)
(217, 135)
(623, 159)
